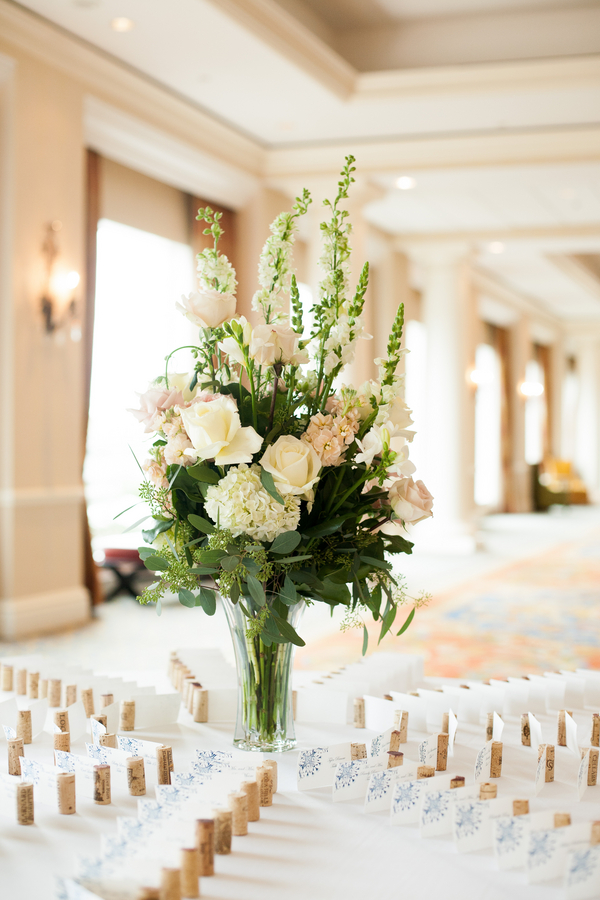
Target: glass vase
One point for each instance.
(265, 720)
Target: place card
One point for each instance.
(427, 751)
(352, 778)
(320, 704)
(316, 767)
(452, 729)
(380, 744)
(435, 816)
(8, 794)
(381, 785)
(547, 850)
(571, 729)
(535, 731)
(8, 717)
(472, 822)
(582, 873)
(43, 776)
(83, 769)
(497, 728)
(510, 836)
(483, 763)
(407, 796)
(71, 889)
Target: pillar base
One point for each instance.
(41, 613)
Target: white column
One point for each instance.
(587, 447)
(449, 315)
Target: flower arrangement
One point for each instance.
(269, 479)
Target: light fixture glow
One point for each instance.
(72, 280)
(405, 183)
(496, 247)
(122, 24)
(531, 389)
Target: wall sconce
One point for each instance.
(58, 304)
(530, 389)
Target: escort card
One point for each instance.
(535, 731)
(82, 767)
(483, 763)
(472, 822)
(43, 777)
(547, 850)
(407, 797)
(498, 728)
(427, 751)
(380, 744)
(352, 778)
(435, 816)
(582, 877)
(316, 767)
(452, 729)
(510, 836)
(381, 786)
(571, 729)
(582, 774)
(8, 794)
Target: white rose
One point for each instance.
(294, 465)
(411, 501)
(215, 431)
(207, 308)
(271, 344)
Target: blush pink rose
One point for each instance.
(154, 401)
(410, 500)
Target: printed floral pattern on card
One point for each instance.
(405, 797)
(436, 806)
(468, 818)
(379, 785)
(310, 761)
(583, 866)
(510, 833)
(542, 847)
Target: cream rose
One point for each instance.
(294, 466)
(271, 344)
(207, 308)
(216, 432)
(411, 501)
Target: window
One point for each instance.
(139, 278)
(488, 427)
(535, 412)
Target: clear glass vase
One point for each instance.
(265, 720)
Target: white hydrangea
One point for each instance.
(240, 503)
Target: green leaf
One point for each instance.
(397, 544)
(212, 557)
(335, 593)
(230, 563)
(203, 473)
(136, 525)
(288, 592)
(203, 570)
(378, 563)
(234, 593)
(256, 590)
(292, 559)
(156, 563)
(208, 601)
(408, 620)
(286, 542)
(327, 527)
(365, 640)
(269, 485)
(145, 552)
(159, 607)
(201, 524)
(186, 598)
(161, 525)
(288, 632)
(387, 622)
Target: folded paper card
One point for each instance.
(316, 767)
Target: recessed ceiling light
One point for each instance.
(405, 183)
(496, 247)
(122, 23)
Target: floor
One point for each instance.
(528, 600)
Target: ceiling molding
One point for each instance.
(575, 269)
(285, 34)
(115, 83)
(486, 283)
(501, 234)
(474, 78)
(132, 142)
(499, 148)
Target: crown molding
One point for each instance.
(487, 283)
(288, 36)
(571, 266)
(115, 83)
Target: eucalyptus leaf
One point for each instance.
(365, 640)
(186, 598)
(378, 563)
(292, 559)
(156, 563)
(201, 524)
(203, 570)
(286, 542)
(407, 621)
(269, 485)
(288, 591)
(288, 632)
(159, 607)
(203, 473)
(256, 590)
(229, 563)
(145, 552)
(234, 593)
(387, 622)
(208, 601)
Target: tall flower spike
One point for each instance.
(393, 348)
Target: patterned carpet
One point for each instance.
(539, 614)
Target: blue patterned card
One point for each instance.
(472, 822)
(582, 878)
(547, 850)
(381, 785)
(316, 766)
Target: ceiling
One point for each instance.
(273, 89)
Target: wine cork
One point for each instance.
(264, 779)
(222, 818)
(394, 741)
(106, 700)
(401, 723)
(496, 761)
(489, 726)
(395, 759)
(61, 719)
(190, 886)
(15, 752)
(21, 682)
(272, 765)
(127, 715)
(358, 751)
(205, 838)
(445, 723)
(108, 740)
(238, 804)
(6, 677)
(54, 691)
(488, 791)
(595, 833)
(87, 698)
(136, 776)
(294, 704)
(561, 737)
(25, 803)
(190, 696)
(24, 725)
(595, 732)
(170, 884)
(359, 712)
(70, 692)
(148, 893)
(457, 782)
(425, 772)
(442, 752)
(187, 689)
(525, 730)
(561, 820)
(200, 704)
(43, 689)
(593, 767)
(387, 697)
(547, 751)
(62, 741)
(102, 785)
(65, 784)
(250, 789)
(33, 685)
(520, 807)
(162, 764)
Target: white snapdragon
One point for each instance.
(274, 269)
(215, 272)
(240, 504)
